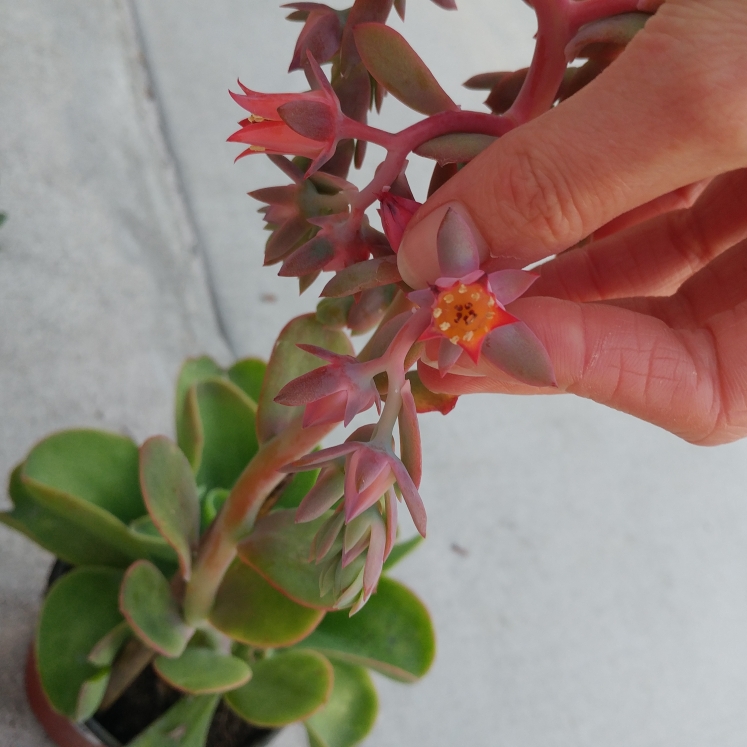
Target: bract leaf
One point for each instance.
(371, 273)
(248, 609)
(515, 349)
(458, 147)
(350, 712)
(286, 687)
(392, 634)
(279, 550)
(287, 362)
(188, 433)
(185, 724)
(66, 504)
(615, 30)
(227, 416)
(428, 401)
(247, 374)
(170, 494)
(396, 66)
(79, 610)
(202, 671)
(148, 605)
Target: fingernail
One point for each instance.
(417, 258)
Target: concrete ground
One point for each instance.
(587, 573)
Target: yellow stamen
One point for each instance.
(437, 313)
(444, 326)
(468, 336)
(454, 339)
(255, 118)
(257, 148)
(462, 288)
(475, 296)
(491, 302)
(449, 298)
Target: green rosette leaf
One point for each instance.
(203, 671)
(393, 634)
(151, 610)
(248, 609)
(286, 687)
(350, 712)
(185, 724)
(248, 375)
(76, 494)
(80, 609)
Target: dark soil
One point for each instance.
(149, 697)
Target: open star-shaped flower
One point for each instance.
(468, 310)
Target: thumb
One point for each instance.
(668, 112)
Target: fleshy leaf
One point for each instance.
(287, 362)
(279, 549)
(515, 349)
(247, 374)
(286, 687)
(80, 527)
(457, 249)
(211, 504)
(401, 550)
(227, 416)
(397, 67)
(151, 610)
(106, 649)
(350, 712)
(203, 671)
(296, 490)
(459, 147)
(170, 494)
(392, 634)
(248, 609)
(371, 273)
(428, 401)
(185, 724)
(188, 434)
(80, 609)
(615, 30)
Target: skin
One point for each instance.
(650, 159)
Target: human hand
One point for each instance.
(651, 316)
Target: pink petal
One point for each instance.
(312, 385)
(457, 248)
(515, 349)
(508, 285)
(422, 298)
(448, 355)
(329, 409)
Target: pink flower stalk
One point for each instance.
(303, 124)
(333, 393)
(468, 310)
(396, 212)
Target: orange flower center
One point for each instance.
(465, 313)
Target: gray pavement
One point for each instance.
(587, 573)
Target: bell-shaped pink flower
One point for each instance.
(303, 124)
(332, 393)
(468, 310)
(396, 212)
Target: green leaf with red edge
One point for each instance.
(149, 606)
(350, 712)
(79, 610)
(228, 422)
(285, 687)
(295, 491)
(170, 494)
(247, 374)
(279, 549)
(397, 67)
(75, 495)
(185, 724)
(358, 277)
(287, 362)
(428, 401)
(458, 147)
(248, 609)
(595, 38)
(188, 433)
(392, 634)
(202, 671)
